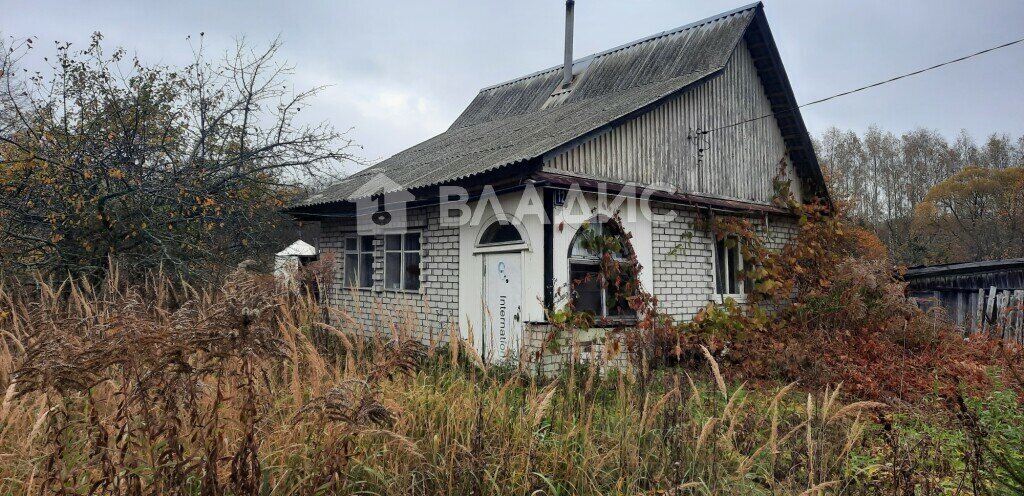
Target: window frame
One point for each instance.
(500, 223)
(359, 252)
(403, 252)
(741, 287)
(573, 260)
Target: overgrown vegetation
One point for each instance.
(839, 314)
(827, 308)
(130, 383)
(166, 388)
(106, 158)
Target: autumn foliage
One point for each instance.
(106, 159)
(830, 308)
(976, 214)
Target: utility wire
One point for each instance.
(862, 88)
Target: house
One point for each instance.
(649, 138)
(975, 296)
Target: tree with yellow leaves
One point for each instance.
(977, 214)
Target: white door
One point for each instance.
(502, 329)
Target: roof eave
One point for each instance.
(787, 107)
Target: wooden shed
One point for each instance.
(976, 296)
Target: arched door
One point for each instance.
(500, 248)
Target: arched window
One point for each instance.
(500, 233)
(600, 270)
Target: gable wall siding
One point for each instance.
(429, 313)
(655, 148)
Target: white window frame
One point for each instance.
(403, 251)
(359, 252)
(479, 247)
(596, 223)
(740, 291)
(480, 244)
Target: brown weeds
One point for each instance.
(244, 389)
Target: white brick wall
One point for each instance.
(684, 258)
(683, 268)
(683, 264)
(429, 312)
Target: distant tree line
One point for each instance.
(177, 168)
(930, 199)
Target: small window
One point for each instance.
(402, 261)
(591, 291)
(359, 261)
(500, 233)
(729, 267)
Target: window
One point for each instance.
(359, 261)
(402, 261)
(500, 233)
(729, 267)
(591, 290)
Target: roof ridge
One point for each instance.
(629, 44)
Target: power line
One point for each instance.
(862, 88)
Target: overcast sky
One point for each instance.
(401, 71)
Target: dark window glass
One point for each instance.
(500, 233)
(586, 288)
(728, 264)
(412, 271)
(393, 242)
(412, 242)
(720, 268)
(618, 305)
(590, 291)
(366, 270)
(734, 266)
(402, 261)
(359, 261)
(351, 269)
(393, 270)
(612, 229)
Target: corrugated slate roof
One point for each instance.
(964, 268)
(697, 48)
(519, 120)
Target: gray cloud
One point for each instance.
(400, 72)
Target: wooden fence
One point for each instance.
(995, 312)
(1000, 314)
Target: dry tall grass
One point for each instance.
(171, 389)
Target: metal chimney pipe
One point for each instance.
(567, 69)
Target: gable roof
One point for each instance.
(521, 120)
